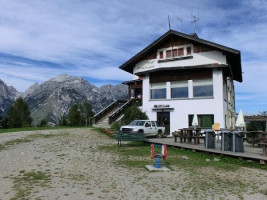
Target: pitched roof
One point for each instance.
(233, 56)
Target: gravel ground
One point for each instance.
(67, 164)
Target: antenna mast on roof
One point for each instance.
(195, 19)
(195, 22)
(169, 22)
(181, 20)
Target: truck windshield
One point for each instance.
(137, 123)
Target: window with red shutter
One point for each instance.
(161, 54)
(181, 52)
(168, 54)
(188, 51)
(174, 52)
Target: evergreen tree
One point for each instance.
(63, 121)
(133, 113)
(1, 118)
(43, 123)
(5, 123)
(130, 114)
(74, 116)
(86, 113)
(79, 115)
(19, 114)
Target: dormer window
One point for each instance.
(188, 50)
(169, 54)
(175, 52)
(161, 54)
(180, 51)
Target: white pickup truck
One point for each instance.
(149, 128)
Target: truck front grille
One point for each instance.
(127, 130)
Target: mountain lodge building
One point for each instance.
(179, 75)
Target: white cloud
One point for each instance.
(92, 38)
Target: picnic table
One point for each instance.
(256, 137)
(264, 149)
(187, 134)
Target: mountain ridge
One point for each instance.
(53, 98)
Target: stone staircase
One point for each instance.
(111, 114)
(104, 121)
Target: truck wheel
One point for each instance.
(140, 131)
(159, 134)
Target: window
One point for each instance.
(168, 54)
(179, 89)
(188, 51)
(132, 92)
(203, 88)
(161, 55)
(174, 52)
(181, 52)
(158, 91)
(204, 121)
(148, 124)
(153, 124)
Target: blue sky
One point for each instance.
(42, 39)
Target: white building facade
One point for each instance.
(183, 75)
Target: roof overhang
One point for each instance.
(233, 56)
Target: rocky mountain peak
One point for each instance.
(30, 90)
(62, 78)
(7, 96)
(53, 98)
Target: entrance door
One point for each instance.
(163, 119)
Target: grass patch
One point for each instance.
(25, 185)
(36, 136)
(2, 147)
(36, 129)
(27, 139)
(201, 179)
(137, 153)
(17, 141)
(13, 142)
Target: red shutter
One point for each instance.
(161, 54)
(188, 50)
(168, 54)
(181, 52)
(174, 52)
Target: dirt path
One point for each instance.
(67, 164)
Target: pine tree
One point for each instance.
(43, 123)
(63, 121)
(1, 118)
(86, 113)
(133, 113)
(79, 115)
(74, 116)
(19, 114)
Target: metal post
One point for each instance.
(206, 136)
(233, 135)
(222, 142)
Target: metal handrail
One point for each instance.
(103, 112)
(115, 114)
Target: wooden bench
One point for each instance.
(176, 135)
(140, 137)
(197, 139)
(264, 149)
